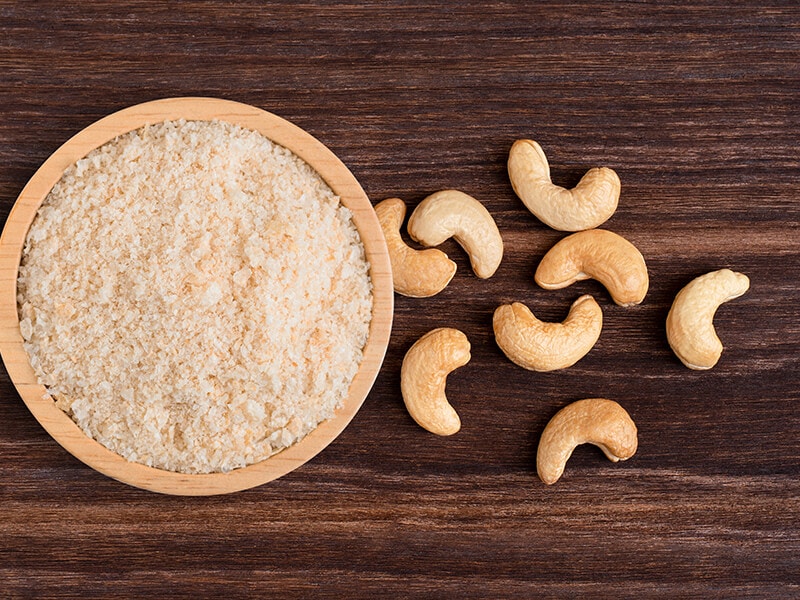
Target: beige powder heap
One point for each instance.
(194, 296)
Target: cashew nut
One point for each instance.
(539, 346)
(424, 375)
(596, 254)
(690, 323)
(451, 213)
(415, 273)
(597, 421)
(587, 205)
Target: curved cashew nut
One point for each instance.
(451, 213)
(424, 375)
(587, 205)
(596, 254)
(415, 273)
(539, 346)
(597, 421)
(690, 323)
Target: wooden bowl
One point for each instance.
(59, 425)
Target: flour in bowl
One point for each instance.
(194, 296)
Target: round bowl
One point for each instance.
(60, 426)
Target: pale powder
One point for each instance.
(194, 296)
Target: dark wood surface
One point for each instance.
(696, 106)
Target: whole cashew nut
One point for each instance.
(597, 421)
(587, 205)
(539, 346)
(451, 213)
(596, 254)
(423, 377)
(415, 273)
(690, 323)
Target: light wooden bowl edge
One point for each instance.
(60, 426)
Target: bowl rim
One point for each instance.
(60, 426)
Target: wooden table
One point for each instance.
(697, 107)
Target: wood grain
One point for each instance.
(694, 105)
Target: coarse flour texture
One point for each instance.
(194, 296)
